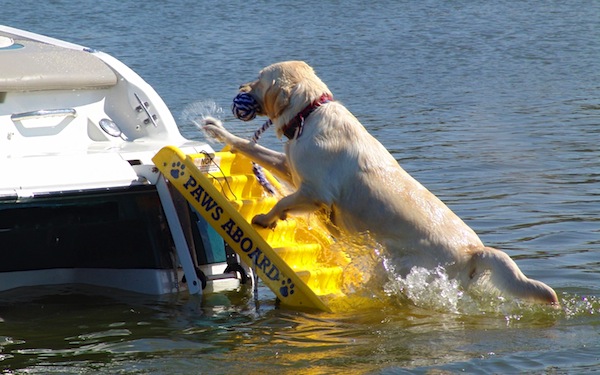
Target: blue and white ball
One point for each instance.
(244, 107)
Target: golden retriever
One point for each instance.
(335, 164)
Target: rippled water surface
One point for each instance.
(494, 106)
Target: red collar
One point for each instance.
(293, 129)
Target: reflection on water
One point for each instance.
(78, 328)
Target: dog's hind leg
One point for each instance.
(508, 278)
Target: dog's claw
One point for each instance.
(211, 121)
(262, 221)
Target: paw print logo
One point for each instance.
(287, 287)
(177, 170)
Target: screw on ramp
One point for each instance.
(295, 260)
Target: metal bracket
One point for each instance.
(183, 251)
(144, 106)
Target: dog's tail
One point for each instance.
(508, 278)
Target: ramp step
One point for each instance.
(299, 256)
(320, 280)
(238, 186)
(248, 207)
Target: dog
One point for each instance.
(336, 165)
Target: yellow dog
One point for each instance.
(335, 164)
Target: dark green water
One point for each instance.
(84, 330)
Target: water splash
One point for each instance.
(431, 289)
(575, 306)
(434, 290)
(365, 268)
(193, 116)
(196, 112)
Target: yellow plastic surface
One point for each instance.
(294, 260)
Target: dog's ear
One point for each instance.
(276, 99)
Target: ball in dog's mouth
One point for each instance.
(245, 107)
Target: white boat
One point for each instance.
(80, 199)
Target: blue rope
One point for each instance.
(261, 130)
(257, 169)
(262, 179)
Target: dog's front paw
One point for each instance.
(263, 221)
(214, 129)
(212, 121)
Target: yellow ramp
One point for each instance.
(294, 260)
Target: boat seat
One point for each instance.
(27, 65)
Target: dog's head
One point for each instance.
(284, 89)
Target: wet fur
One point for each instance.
(338, 166)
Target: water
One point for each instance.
(494, 106)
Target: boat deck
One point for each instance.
(48, 67)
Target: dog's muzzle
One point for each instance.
(245, 107)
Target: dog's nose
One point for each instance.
(245, 87)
